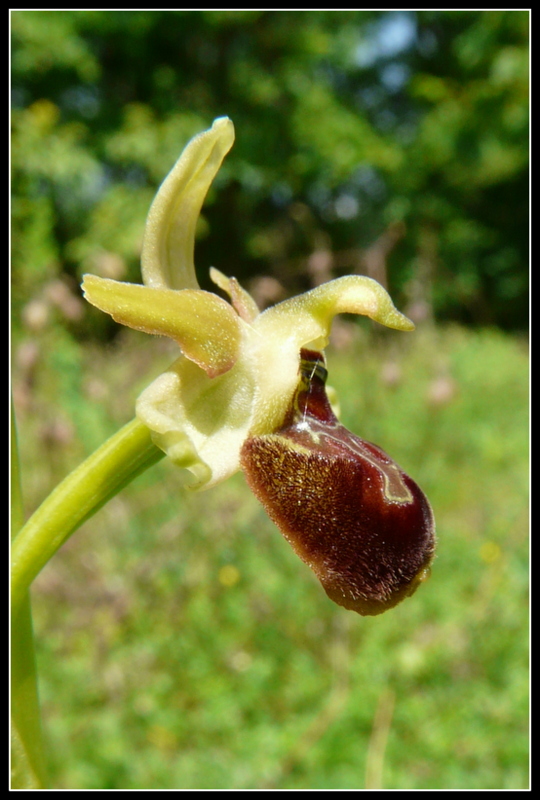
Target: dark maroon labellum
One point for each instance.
(363, 526)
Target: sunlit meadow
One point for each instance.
(181, 644)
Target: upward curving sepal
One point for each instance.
(169, 236)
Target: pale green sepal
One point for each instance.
(305, 321)
(204, 325)
(356, 294)
(201, 423)
(169, 236)
(309, 316)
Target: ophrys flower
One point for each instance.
(229, 401)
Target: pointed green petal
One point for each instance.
(305, 321)
(245, 305)
(205, 326)
(355, 294)
(169, 237)
(309, 316)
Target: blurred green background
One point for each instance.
(181, 644)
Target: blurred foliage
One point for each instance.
(181, 642)
(183, 645)
(390, 143)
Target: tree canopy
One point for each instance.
(391, 143)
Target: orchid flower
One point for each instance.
(247, 392)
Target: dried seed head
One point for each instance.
(363, 526)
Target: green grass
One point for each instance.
(182, 644)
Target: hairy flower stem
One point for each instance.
(113, 465)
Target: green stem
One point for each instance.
(115, 464)
(28, 762)
(17, 512)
